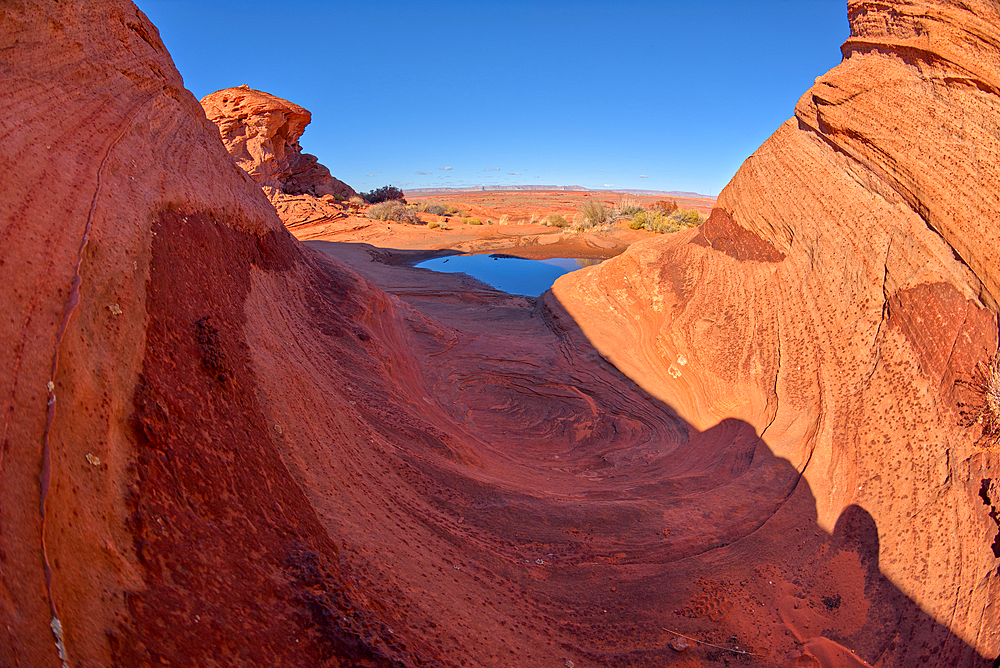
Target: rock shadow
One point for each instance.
(628, 527)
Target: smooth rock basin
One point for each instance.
(515, 275)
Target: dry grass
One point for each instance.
(392, 210)
(984, 410)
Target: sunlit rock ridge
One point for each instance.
(221, 447)
(842, 295)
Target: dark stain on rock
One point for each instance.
(721, 233)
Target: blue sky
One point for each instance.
(664, 95)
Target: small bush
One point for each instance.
(628, 208)
(554, 220)
(354, 199)
(451, 208)
(689, 217)
(472, 221)
(984, 410)
(656, 221)
(504, 220)
(337, 197)
(431, 225)
(595, 214)
(664, 206)
(433, 209)
(392, 210)
(384, 194)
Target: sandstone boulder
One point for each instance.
(262, 133)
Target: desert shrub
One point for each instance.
(504, 220)
(433, 209)
(383, 194)
(472, 221)
(628, 208)
(656, 221)
(554, 220)
(689, 217)
(431, 225)
(392, 210)
(337, 197)
(355, 199)
(664, 206)
(983, 411)
(451, 208)
(595, 214)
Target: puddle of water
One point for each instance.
(510, 274)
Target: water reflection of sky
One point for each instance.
(510, 274)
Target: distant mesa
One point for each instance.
(416, 192)
(262, 131)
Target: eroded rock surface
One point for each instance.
(262, 132)
(221, 447)
(843, 295)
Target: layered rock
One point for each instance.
(262, 134)
(220, 447)
(842, 299)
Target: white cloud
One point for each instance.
(425, 173)
(492, 169)
(369, 175)
(514, 173)
(643, 176)
(608, 185)
(445, 169)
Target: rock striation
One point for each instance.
(842, 299)
(262, 134)
(219, 446)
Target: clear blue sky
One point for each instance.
(664, 95)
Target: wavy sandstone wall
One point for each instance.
(219, 447)
(846, 281)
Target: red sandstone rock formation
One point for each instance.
(220, 447)
(262, 133)
(842, 295)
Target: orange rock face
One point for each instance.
(262, 134)
(222, 447)
(843, 296)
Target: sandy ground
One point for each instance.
(518, 237)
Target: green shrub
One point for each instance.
(431, 225)
(689, 217)
(472, 221)
(392, 210)
(384, 194)
(657, 221)
(451, 208)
